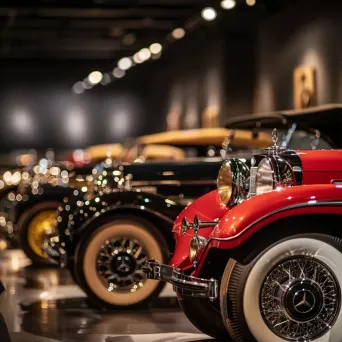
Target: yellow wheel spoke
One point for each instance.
(41, 225)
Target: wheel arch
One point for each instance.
(324, 223)
(162, 222)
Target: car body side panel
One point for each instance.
(252, 215)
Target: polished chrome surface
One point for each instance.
(119, 263)
(183, 283)
(197, 245)
(300, 299)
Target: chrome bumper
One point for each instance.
(182, 283)
(55, 252)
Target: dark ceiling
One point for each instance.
(98, 29)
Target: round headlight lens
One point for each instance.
(225, 182)
(264, 177)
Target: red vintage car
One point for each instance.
(260, 258)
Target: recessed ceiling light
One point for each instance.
(78, 88)
(178, 33)
(137, 59)
(228, 4)
(95, 77)
(125, 63)
(156, 48)
(209, 14)
(118, 73)
(144, 54)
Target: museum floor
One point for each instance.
(44, 305)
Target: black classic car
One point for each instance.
(105, 238)
(139, 202)
(34, 201)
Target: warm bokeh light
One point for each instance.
(95, 77)
(156, 48)
(228, 4)
(125, 63)
(209, 14)
(178, 33)
(144, 54)
(137, 59)
(118, 73)
(250, 2)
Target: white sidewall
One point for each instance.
(95, 281)
(320, 250)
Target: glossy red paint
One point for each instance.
(321, 166)
(252, 215)
(208, 208)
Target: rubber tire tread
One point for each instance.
(201, 313)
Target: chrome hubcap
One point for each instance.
(300, 299)
(119, 263)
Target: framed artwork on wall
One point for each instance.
(304, 87)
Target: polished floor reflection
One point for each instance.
(44, 305)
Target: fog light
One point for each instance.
(197, 244)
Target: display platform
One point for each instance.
(42, 304)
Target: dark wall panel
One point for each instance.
(309, 34)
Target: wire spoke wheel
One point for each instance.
(119, 263)
(39, 228)
(300, 298)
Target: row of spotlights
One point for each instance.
(95, 77)
(210, 14)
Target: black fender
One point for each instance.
(160, 210)
(47, 192)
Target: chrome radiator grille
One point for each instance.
(252, 181)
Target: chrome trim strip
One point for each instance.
(173, 182)
(294, 206)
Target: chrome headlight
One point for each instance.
(197, 244)
(232, 181)
(273, 172)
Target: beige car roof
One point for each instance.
(100, 152)
(208, 136)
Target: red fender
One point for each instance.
(208, 208)
(250, 216)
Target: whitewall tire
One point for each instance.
(108, 262)
(289, 292)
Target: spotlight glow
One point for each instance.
(250, 2)
(125, 63)
(95, 77)
(209, 14)
(178, 33)
(228, 4)
(78, 88)
(137, 59)
(119, 73)
(144, 54)
(156, 48)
